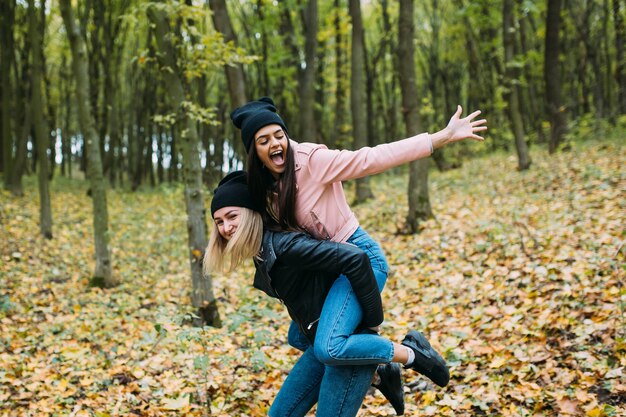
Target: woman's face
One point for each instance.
(271, 145)
(227, 219)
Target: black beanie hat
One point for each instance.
(254, 115)
(233, 191)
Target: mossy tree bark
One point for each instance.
(419, 200)
(511, 80)
(39, 123)
(202, 287)
(357, 94)
(103, 276)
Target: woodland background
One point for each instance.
(508, 254)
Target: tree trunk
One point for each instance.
(39, 123)
(339, 128)
(620, 68)
(202, 288)
(389, 87)
(291, 59)
(21, 130)
(102, 276)
(234, 73)
(534, 104)
(7, 18)
(552, 76)
(608, 62)
(263, 78)
(47, 102)
(308, 125)
(66, 169)
(511, 74)
(357, 95)
(160, 151)
(419, 200)
(436, 71)
(172, 173)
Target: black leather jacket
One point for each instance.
(300, 270)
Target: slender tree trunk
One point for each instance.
(511, 80)
(534, 104)
(114, 139)
(552, 76)
(339, 128)
(172, 173)
(308, 125)
(263, 78)
(234, 73)
(65, 115)
(202, 288)
(419, 200)
(620, 67)
(39, 123)
(147, 165)
(21, 148)
(47, 102)
(606, 49)
(21, 130)
(103, 276)
(436, 71)
(7, 18)
(357, 94)
(292, 79)
(388, 87)
(160, 151)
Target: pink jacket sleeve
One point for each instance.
(332, 165)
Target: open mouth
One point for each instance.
(277, 157)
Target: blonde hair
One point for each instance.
(225, 255)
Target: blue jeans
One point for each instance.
(315, 377)
(338, 390)
(359, 238)
(335, 341)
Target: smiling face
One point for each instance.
(227, 220)
(271, 145)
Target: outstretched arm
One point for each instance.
(328, 166)
(459, 129)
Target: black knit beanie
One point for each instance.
(254, 115)
(233, 191)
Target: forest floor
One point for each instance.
(519, 281)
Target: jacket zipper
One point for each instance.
(311, 324)
(317, 219)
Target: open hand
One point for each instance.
(460, 129)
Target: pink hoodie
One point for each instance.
(321, 206)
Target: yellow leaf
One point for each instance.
(176, 404)
(497, 362)
(596, 412)
(429, 397)
(86, 382)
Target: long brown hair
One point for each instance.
(263, 187)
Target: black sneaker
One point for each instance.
(391, 385)
(427, 361)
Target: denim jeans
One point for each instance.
(316, 376)
(338, 390)
(336, 342)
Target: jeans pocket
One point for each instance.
(377, 259)
(373, 250)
